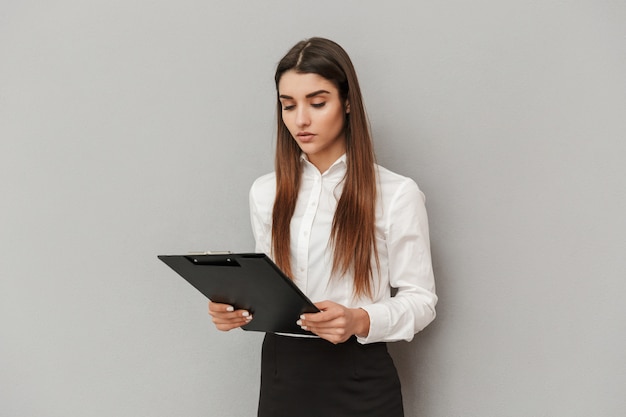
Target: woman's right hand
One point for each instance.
(225, 317)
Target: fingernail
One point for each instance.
(248, 318)
(299, 322)
(304, 328)
(245, 314)
(230, 308)
(302, 316)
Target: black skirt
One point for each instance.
(303, 377)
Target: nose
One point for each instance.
(302, 117)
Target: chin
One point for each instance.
(308, 149)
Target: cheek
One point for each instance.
(289, 123)
(285, 118)
(339, 121)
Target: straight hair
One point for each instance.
(353, 234)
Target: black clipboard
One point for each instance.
(249, 281)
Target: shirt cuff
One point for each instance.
(379, 323)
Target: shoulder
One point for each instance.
(263, 190)
(264, 182)
(392, 185)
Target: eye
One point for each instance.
(318, 105)
(289, 107)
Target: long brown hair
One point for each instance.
(353, 234)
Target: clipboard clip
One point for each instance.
(210, 252)
(212, 258)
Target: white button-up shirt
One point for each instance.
(401, 238)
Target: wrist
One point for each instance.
(362, 322)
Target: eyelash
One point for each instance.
(315, 105)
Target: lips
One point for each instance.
(305, 136)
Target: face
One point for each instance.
(315, 115)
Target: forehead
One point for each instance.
(297, 84)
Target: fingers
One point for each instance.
(335, 322)
(332, 323)
(334, 335)
(220, 307)
(329, 312)
(225, 317)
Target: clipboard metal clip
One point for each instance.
(210, 252)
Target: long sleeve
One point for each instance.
(409, 270)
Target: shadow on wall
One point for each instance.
(412, 359)
(415, 359)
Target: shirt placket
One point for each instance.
(304, 236)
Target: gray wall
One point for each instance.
(131, 129)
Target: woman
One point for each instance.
(347, 231)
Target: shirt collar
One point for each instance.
(338, 168)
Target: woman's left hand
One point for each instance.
(335, 322)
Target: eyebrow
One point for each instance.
(313, 94)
